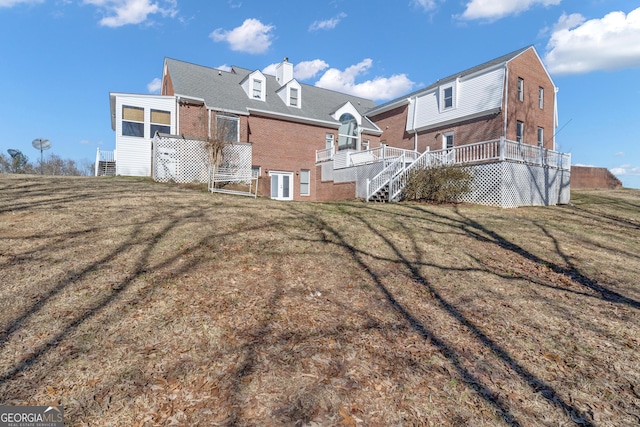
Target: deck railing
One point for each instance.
(103, 157)
(494, 150)
(385, 176)
(503, 149)
(325, 155)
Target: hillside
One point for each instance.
(136, 303)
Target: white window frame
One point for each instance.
(541, 97)
(453, 86)
(291, 97)
(445, 138)
(519, 131)
(365, 145)
(329, 141)
(540, 137)
(133, 121)
(520, 89)
(257, 88)
(307, 183)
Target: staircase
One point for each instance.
(105, 163)
(106, 168)
(387, 186)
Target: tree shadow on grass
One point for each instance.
(492, 398)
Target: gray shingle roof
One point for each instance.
(497, 61)
(221, 90)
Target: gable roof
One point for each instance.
(222, 91)
(489, 64)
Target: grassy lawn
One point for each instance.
(133, 303)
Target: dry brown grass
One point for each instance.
(138, 304)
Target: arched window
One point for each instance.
(348, 132)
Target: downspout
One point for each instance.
(177, 117)
(506, 99)
(413, 125)
(555, 115)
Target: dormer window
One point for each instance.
(255, 86)
(291, 94)
(257, 89)
(448, 97)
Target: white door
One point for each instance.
(281, 185)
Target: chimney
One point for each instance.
(284, 72)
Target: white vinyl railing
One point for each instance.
(325, 155)
(494, 150)
(349, 158)
(503, 149)
(103, 156)
(380, 180)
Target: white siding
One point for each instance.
(473, 96)
(134, 154)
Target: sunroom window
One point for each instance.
(160, 122)
(132, 121)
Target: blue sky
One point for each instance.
(59, 59)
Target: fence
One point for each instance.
(176, 159)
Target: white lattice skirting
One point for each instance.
(180, 160)
(510, 184)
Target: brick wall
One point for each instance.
(528, 67)
(279, 145)
(590, 177)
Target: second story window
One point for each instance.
(520, 89)
(293, 97)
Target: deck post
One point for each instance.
(502, 148)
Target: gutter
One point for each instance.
(505, 100)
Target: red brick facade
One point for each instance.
(528, 67)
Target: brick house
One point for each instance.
(512, 97)
(309, 143)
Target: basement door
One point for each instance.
(281, 185)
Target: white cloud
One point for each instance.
(224, 67)
(154, 85)
(427, 5)
(309, 69)
(11, 3)
(251, 37)
(329, 24)
(123, 12)
(496, 9)
(627, 170)
(302, 71)
(380, 88)
(580, 46)
(270, 69)
(619, 154)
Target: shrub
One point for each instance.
(439, 184)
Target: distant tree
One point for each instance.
(51, 165)
(17, 162)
